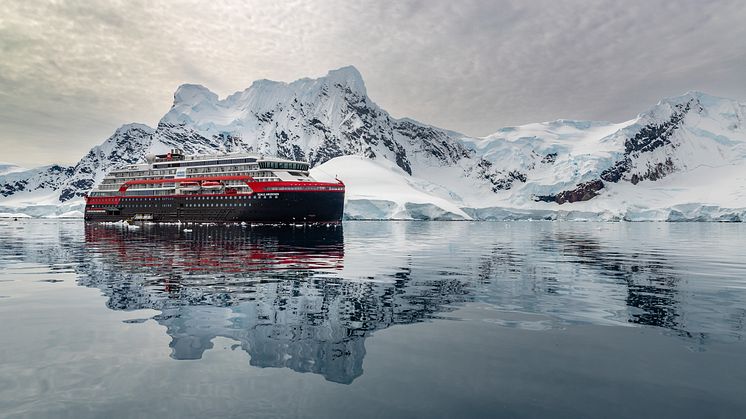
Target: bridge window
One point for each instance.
(282, 165)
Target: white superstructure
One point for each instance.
(175, 165)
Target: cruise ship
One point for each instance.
(225, 188)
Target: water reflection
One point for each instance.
(650, 282)
(308, 298)
(276, 291)
(654, 294)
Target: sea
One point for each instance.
(369, 319)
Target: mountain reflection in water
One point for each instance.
(308, 298)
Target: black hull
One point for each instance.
(285, 207)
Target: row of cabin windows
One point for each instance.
(118, 177)
(205, 163)
(254, 174)
(226, 204)
(138, 174)
(199, 204)
(218, 198)
(151, 192)
(217, 169)
(152, 186)
(209, 204)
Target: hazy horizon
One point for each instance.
(72, 71)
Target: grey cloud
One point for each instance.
(73, 71)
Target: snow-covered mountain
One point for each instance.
(6, 168)
(682, 159)
(647, 167)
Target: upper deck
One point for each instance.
(175, 165)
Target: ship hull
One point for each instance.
(282, 207)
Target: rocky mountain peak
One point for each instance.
(309, 119)
(193, 94)
(348, 77)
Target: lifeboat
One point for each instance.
(190, 186)
(211, 185)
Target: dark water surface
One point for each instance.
(373, 319)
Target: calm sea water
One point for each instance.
(373, 319)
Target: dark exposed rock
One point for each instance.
(582, 192)
(266, 116)
(655, 172)
(499, 179)
(328, 150)
(318, 125)
(653, 136)
(287, 148)
(507, 181)
(8, 189)
(615, 173)
(647, 139)
(228, 141)
(183, 137)
(433, 141)
(549, 158)
(75, 188)
(298, 153)
(47, 178)
(401, 161)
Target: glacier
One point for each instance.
(683, 159)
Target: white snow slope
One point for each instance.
(378, 189)
(683, 159)
(6, 168)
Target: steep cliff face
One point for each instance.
(128, 145)
(650, 153)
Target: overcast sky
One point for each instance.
(71, 72)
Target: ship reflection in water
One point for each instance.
(276, 290)
(303, 299)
